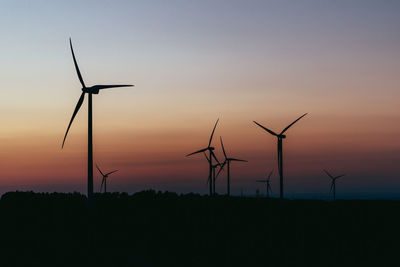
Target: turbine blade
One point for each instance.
(279, 159)
(287, 127)
(199, 151)
(111, 172)
(100, 87)
(208, 181)
(221, 168)
(99, 170)
(331, 186)
(261, 181)
(233, 159)
(102, 182)
(205, 155)
(78, 106)
(340, 176)
(76, 65)
(268, 130)
(223, 149)
(213, 155)
(269, 175)
(328, 174)
(209, 143)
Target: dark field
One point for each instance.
(165, 229)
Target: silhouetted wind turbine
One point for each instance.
(267, 183)
(104, 180)
(333, 183)
(89, 90)
(210, 149)
(280, 137)
(228, 163)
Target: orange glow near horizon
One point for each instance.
(155, 158)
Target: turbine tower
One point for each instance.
(280, 137)
(267, 183)
(228, 163)
(333, 183)
(90, 91)
(214, 166)
(104, 180)
(210, 149)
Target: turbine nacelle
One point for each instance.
(90, 90)
(282, 136)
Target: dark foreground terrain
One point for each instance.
(165, 229)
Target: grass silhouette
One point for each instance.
(166, 229)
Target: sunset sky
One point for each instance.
(192, 62)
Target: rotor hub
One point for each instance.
(90, 90)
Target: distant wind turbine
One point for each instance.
(210, 149)
(228, 163)
(267, 183)
(104, 180)
(280, 137)
(87, 90)
(333, 183)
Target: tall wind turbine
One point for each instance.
(267, 183)
(87, 90)
(228, 163)
(280, 137)
(210, 149)
(333, 183)
(104, 180)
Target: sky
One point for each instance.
(192, 62)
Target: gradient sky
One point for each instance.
(193, 62)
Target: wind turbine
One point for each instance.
(214, 166)
(333, 183)
(87, 90)
(228, 163)
(280, 137)
(267, 183)
(104, 180)
(210, 149)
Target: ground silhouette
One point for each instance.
(165, 229)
